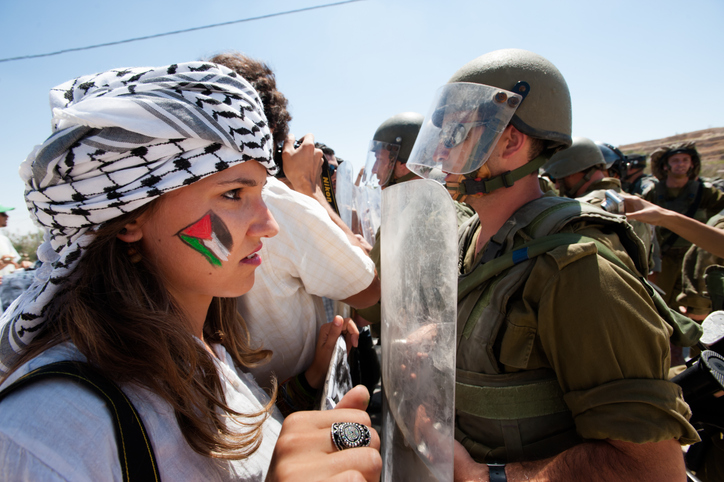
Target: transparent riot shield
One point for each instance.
(419, 310)
(368, 202)
(344, 192)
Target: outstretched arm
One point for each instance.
(704, 236)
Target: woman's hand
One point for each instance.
(304, 450)
(328, 334)
(641, 210)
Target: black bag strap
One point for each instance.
(138, 462)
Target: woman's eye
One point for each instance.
(233, 194)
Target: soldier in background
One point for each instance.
(636, 180)
(679, 189)
(581, 173)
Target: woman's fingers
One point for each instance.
(351, 333)
(358, 398)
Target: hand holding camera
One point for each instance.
(300, 163)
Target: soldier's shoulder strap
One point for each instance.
(686, 331)
(138, 461)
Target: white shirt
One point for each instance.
(55, 430)
(310, 258)
(7, 249)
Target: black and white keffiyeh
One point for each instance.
(120, 139)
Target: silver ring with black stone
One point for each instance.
(348, 435)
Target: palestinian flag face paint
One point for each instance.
(210, 237)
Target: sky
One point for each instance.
(636, 70)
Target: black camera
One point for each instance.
(278, 156)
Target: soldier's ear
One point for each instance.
(514, 141)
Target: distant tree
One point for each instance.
(27, 244)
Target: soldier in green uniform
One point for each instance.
(679, 189)
(580, 173)
(694, 295)
(386, 166)
(636, 181)
(561, 358)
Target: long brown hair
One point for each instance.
(121, 317)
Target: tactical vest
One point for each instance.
(644, 231)
(516, 416)
(681, 204)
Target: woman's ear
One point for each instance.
(131, 232)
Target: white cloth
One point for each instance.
(120, 139)
(58, 430)
(311, 257)
(7, 249)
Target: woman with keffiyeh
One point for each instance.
(150, 192)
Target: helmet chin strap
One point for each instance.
(478, 182)
(587, 177)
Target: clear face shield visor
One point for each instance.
(461, 129)
(380, 164)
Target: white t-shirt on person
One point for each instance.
(310, 258)
(59, 430)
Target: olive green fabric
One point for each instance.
(581, 156)
(593, 324)
(595, 194)
(547, 185)
(640, 185)
(714, 278)
(512, 402)
(694, 294)
(603, 184)
(679, 200)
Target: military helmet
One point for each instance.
(661, 155)
(636, 161)
(400, 129)
(545, 112)
(582, 155)
(391, 143)
(616, 161)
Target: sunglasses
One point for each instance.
(332, 168)
(455, 133)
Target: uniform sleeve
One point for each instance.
(598, 329)
(712, 200)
